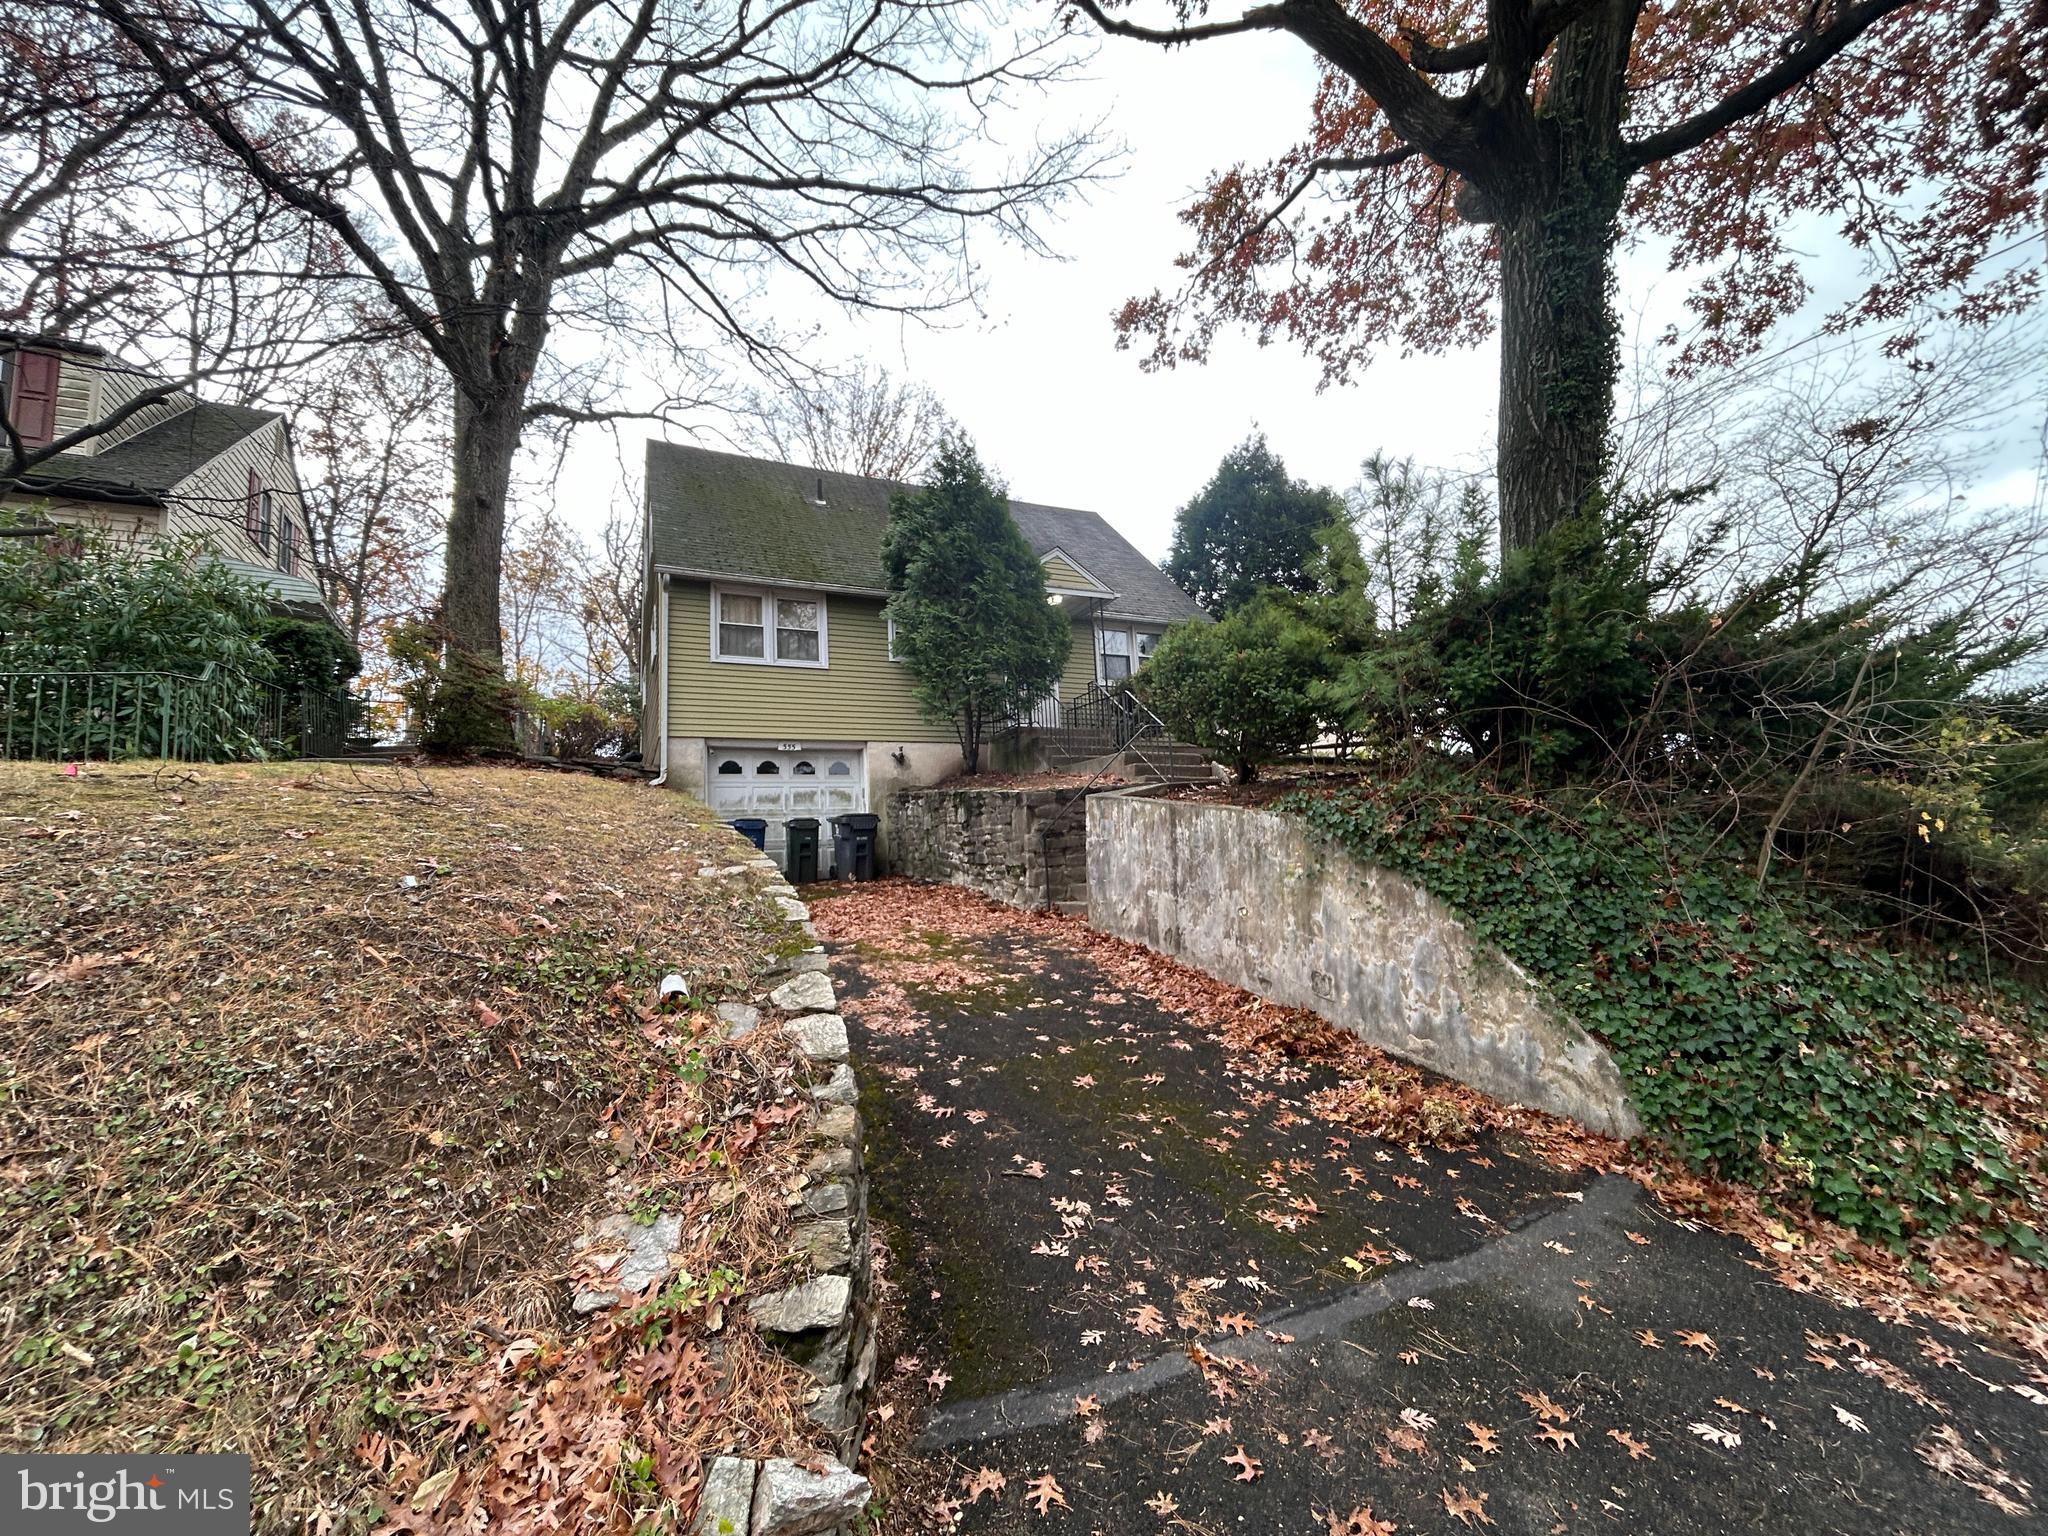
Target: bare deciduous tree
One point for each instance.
(1871, 455)
(861, 423)
(633, 173)
(372, 447)
(121, 225)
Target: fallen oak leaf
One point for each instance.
(984, 1480)
(1482, 1438)
(1044, 1492)
(1360, 1523)
(1250, 1469)
(1557, 1437)
(1162, 1504)
(1700, 1342)
(1637, 1450)
(1465, 1505)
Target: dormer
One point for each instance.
(48, 386)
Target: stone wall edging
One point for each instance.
(826, 1321)
(1250, 897)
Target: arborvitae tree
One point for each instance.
(968, 598)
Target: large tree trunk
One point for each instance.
(1558, 361)
(473, 705)
(486, 439)
(1560, 338)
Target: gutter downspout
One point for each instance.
(661, 658)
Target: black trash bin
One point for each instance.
(853, 846)
(753, 829)
(800, 858)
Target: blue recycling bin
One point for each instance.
(754, 830)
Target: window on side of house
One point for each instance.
(266, 510)
(288, 547)
(768, 628)
(894, 654)
(1145, 641)
(1114, 648)
(252, 501)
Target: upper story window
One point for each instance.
(894, 654)
(266, 513)
(768, 628)
(288, 547)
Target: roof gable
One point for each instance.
(714, 514)
(1064, 574)
(147, 466)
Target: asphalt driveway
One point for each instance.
(1144, 1287)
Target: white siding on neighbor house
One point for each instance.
(114, 385)
(212, 499)
(122, 525)
(74, 396)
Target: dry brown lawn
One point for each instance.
(313, 1073)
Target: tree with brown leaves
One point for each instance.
(1462, 153)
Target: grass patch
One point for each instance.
(311, 1076)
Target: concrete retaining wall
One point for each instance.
(1252, 898)
(1020, 846)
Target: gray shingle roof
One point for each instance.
(149, 464)
(725, 514)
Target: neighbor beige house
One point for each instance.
(178, 465)
(772, 690)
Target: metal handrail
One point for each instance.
(1115, 712)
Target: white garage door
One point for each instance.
(780, 783)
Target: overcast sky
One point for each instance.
(1067, 419)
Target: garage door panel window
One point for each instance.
(778, 783)
(774, 629)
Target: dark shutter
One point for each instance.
(251, 502)
(32, 402)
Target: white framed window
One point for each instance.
(800, 630)
(766, 628)
(1145, 642)
(741, 633)
(894, 654)
(1113, 655)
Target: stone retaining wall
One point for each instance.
(1252, 898)
(1020, 846)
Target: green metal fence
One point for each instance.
(212, 717)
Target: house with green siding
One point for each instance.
(771, 687)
